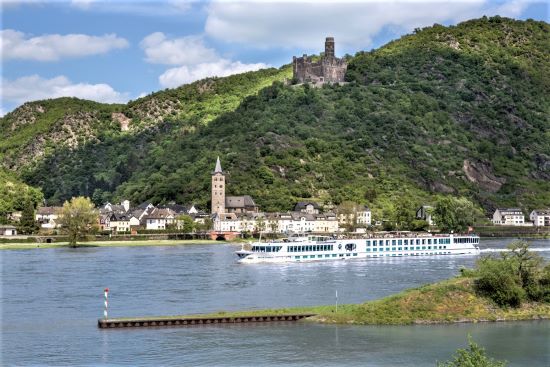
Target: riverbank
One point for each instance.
(450, 301)
(27, 245)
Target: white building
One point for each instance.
(508, 217)
(159, 219)
(119, 223)
(363, 216)
(540, 217)
(47, 216)
(6, 230)
(289, 222)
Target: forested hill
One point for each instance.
(460, 110)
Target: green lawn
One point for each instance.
(22, 245)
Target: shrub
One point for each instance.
(518, 275)
(498, 280)
(474, 356)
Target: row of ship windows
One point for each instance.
(266, 248)
(304, 257)
(419, 241)
(321, 256)
(380, 249)
(310, 248)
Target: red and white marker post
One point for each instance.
(106, 303)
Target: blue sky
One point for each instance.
(117, 51)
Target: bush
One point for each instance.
(518, 275)
(498, 280)
(474, 356)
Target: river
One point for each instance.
(52, 298)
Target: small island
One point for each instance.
(514, 286)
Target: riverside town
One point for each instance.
(275, 183)
(239, 216)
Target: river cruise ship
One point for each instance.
(321, 248)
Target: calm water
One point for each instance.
(51, 300)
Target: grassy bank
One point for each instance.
(34, 245)
(449, 301)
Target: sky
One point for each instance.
(116, 51)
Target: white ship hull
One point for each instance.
(309, 249)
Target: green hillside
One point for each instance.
(460, 110)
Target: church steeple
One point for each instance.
(218, 189)
(218, 168)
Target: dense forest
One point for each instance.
(460, 110)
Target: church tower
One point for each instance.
(218, 189)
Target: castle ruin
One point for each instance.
(328, 69)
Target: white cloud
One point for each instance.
(186, 74)
(264, 24)
(51, 47)
(34, 87)
(179, 51)
(194, 59)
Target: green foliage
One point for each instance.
(454, 214)
(474, 356)
(518, 275)
(15, 195)
(78, 218)
(413, 112)
(27, 223)
(186, 223)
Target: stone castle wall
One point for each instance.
(328, 69)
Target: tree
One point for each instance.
(260, 224)
(78, 218)
(186, 223)
(474, 356)
(348, 210)
(454, 214)
(405, 214)
(27, 223)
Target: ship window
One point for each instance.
(368, 250)
(327, 255)
(368, 243)
(354, 254)
(393, 242)
(429, 247)
(387, 249)
(319, 256)
(406, 248)
(296, 257)
(400, 242)
(400, 248)
(333, 255)
(423, 247)
(393, 248)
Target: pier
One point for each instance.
(174, 321)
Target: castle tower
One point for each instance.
(218, 189)
(329, 47)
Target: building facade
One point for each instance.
(540, 217)
(508, 217)
(218, 189)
